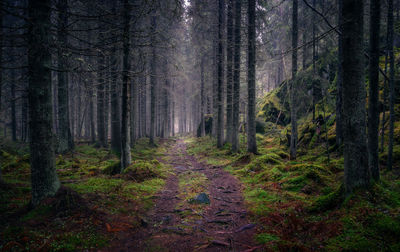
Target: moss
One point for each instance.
(264, 238)
(112, 168)
(98, 185)
(84, 240)
(329, 201)
(142, 170)
(396, 156)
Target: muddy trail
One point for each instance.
(177, 224)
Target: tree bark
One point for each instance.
(202, 104)
(339, 81)
(251, 78)
(65, 141)
(356, 170)
(153, 81)
(390, 31)
(373, 106)
(125, 146)
(44, 178)
(293, 88)
(13, 111)
(229, 72)
(220, 61)
(115, 105)
(236, 77)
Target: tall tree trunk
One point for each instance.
(100, 102)
(44, 178)
(153, 81)
(115, 105)
(134, 113)
(314, 52)
(92, 120)
(251, 78)
(385, 89)
(390, 31)
(293, 87)
(373, 106)
(339, 81)
(229, 72)
(125, 146)
(13, 110)
(220, 60)
(202, 120)
(65, 141)
(356, 170)
(236, 77)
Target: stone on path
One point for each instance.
(201, 198)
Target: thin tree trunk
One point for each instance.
(65, 141)
(13, 111)
(44, 178)
(115, 105)
(202, 119)
(314, 42)
(251, 78)
(125, 146)
(229, 72)
(356, 170)
(220, 60)
(390, 32)
(293, 87)
(236, 77)
(385, 89)
(373, 99)
(153, 81)
(339, 105)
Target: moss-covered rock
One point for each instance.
(143, 170)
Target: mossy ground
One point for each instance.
(300, 204)
(114, 202)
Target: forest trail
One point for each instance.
(176, 224)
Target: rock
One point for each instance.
(201, 198)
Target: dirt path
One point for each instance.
(176, 225)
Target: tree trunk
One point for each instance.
(339, 81)
(251, 78)
(13, 111)
(202, 121)
(390, 31)
(220, 60)
(65, 141)
(229, 72)
(385, 87)
(356, 170)
(153, 81)
(236, 77)
(100, 102)
(134, 113)
(115, 105)
(293, 87)
(125, 146)
(44, 178)
(314, 43)
(373, 106)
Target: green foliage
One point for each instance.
(141, 170)
(266, 238)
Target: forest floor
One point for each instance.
(181, 222)
(187, 195)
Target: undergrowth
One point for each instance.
(300, 204)
(105, 203)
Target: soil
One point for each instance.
(224, 224)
